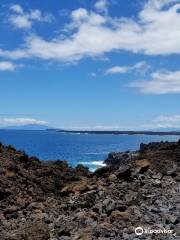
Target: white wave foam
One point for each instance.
(92, 169)
(96, 163)
(75, 133)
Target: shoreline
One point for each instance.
(151, 133)
(99, 132)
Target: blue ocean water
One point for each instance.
(88, 149)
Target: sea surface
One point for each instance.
(88, 149)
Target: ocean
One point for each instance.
(88, 149)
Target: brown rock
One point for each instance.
(120, 215)
(141, 166)
(36, 231)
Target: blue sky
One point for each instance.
(105, 64)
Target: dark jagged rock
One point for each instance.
(115, 159)
(50, 200)
(124, 172)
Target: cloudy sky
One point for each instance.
(103, 64)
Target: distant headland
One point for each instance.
(158, 133)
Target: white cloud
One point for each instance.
(167, 119)
(161, 82)
(155, 31)
(101, 5)
(162, 122)
(20, 19)
(17, 8)
(139, 67)
(7, 66)
(79, 14)
(117, 69)
(19, 121)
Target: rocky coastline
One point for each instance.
(52, 201)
